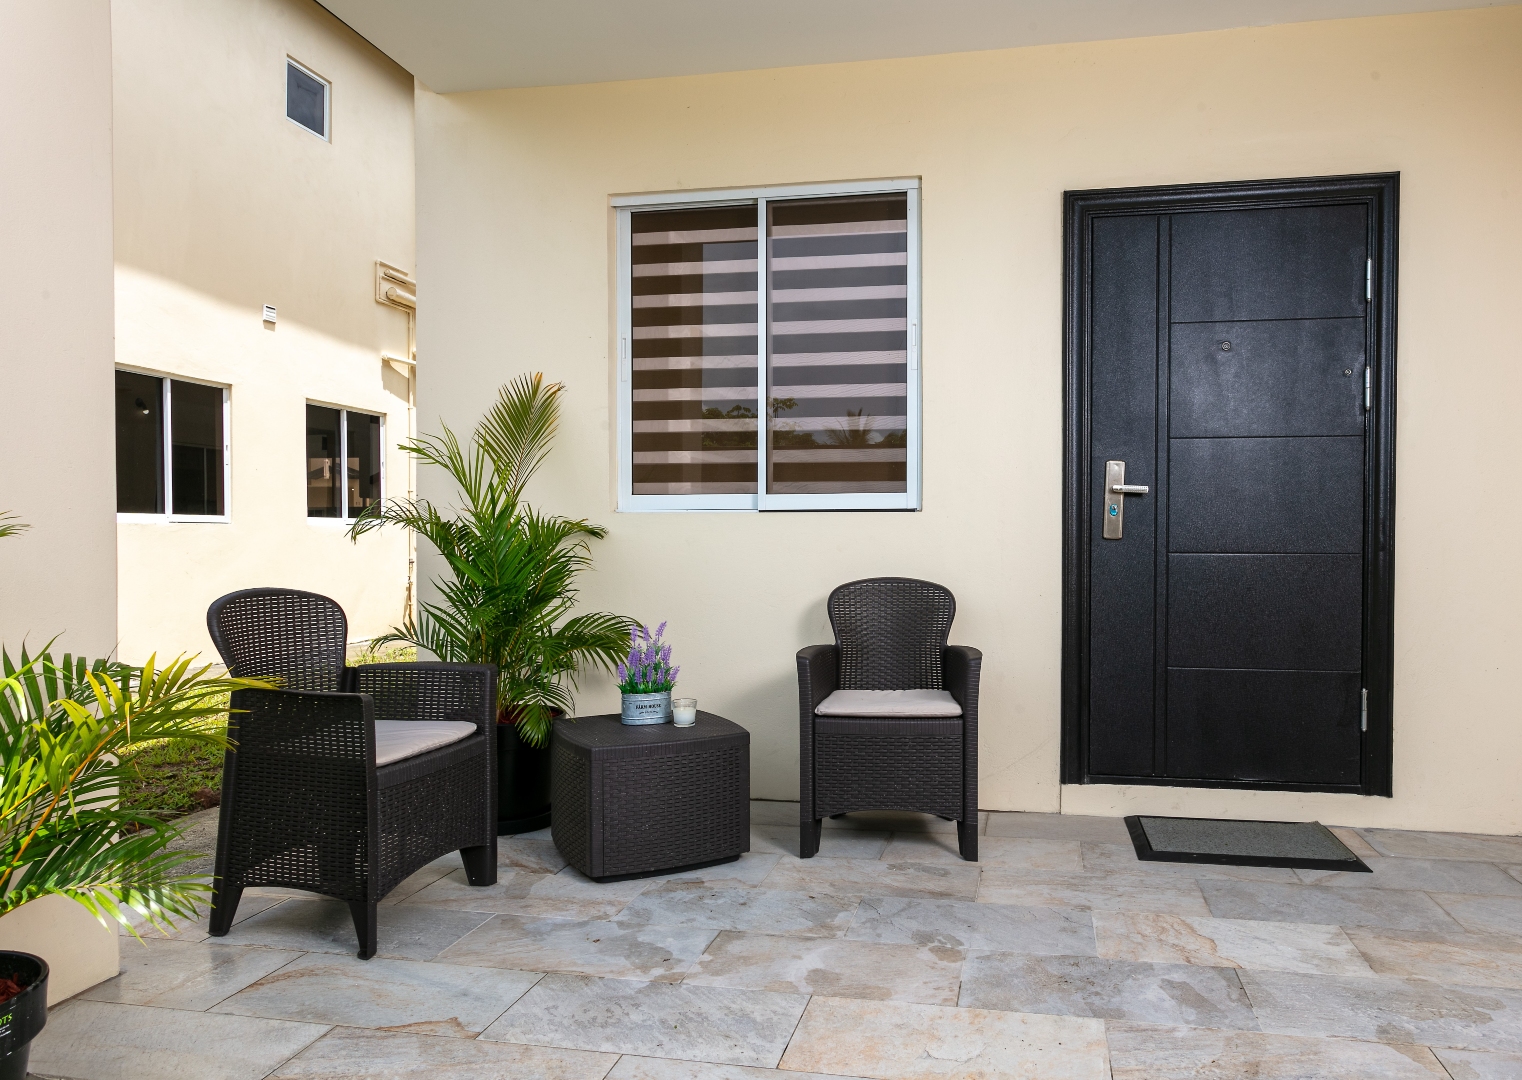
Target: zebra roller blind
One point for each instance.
(838, 300)
(767, 351)
(693, 286)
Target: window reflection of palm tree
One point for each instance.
(857, 431)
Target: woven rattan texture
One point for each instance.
(295, 809)
(629, 800)
(299, 638)
(891, 632)
(571, 804)
(674, 811)
(425, 691)
(860, 771)
(424, 818)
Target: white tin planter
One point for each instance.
(647, 708)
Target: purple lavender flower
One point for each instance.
(623, 672)
(666, 654)
(661, 629)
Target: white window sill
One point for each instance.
(173, 519)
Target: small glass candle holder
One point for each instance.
(684, 711)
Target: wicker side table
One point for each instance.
(631, 801)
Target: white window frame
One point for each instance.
(628, 502)
(327, 101)
(345, 519)
(166, 409)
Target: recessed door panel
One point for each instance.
(1293, 377)
(1265, 611)
(1302, 262)
(1298, 727)
(1266, 495)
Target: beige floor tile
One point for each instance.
(774, 911)
(1354, 843)
(1473, 1065)
(403, 932)
(172, 974)
(421, 878)
(1431, 875)
(1454, 959)
(1483, 914)
(696, 1023)
(1113, 892)
(961, 924)
(895, 1040)
(521, 853)
(630, 1067)
(98, 1040)
(399, 995)
(1062, 856)
(1147, 1052)
(587, 947)
(566, 895)
(840, 844)
(862, 877)
(855, 969)
(1477, 847)
(355, 1054)
(1239, 943)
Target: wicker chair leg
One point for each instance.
(967, 839)
(808, 838)
(364, 927)
(224, 907)
(480, 864)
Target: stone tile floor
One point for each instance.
(1058, 956)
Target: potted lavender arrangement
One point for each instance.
(646, 677)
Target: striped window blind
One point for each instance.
(837, 372)
(694, 352)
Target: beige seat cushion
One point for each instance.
(398, 739)
(895, 703)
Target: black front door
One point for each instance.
(1229, 485)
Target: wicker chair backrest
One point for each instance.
(891, 632)
(300, 638)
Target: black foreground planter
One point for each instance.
(24, 1015)
(523, 784)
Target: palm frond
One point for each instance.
(517, 431)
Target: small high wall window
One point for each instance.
(184, 424)
(307, 99)
(344, 462)
(768, 349)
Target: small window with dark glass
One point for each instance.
(306, 99)
(171, 446)
(343, 462)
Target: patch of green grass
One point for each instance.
(172, 778)
(382, 654)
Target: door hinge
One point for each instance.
(1368, 280)
(1363, 722)
(1368, 388)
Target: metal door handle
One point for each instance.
(1116, 490)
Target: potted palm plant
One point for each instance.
(65, 725)
(509, 585)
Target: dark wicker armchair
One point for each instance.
(305, 805)
(890, 635)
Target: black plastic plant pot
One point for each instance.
(24, 1015)
(523, 783)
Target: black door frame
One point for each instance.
(1380, 193)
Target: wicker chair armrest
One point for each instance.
(314, 724)
(963, 667)
(431, 691)
(818, 676)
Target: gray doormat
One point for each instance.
(1306, 844)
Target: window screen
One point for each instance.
(324, 489)
(364, 462)
(195, 427)
(838, 358)
(306, 100)
(694, 408)
(139, 443)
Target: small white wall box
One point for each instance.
(269, 313)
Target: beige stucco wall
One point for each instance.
(55, 366)
(516, 262)
(222, 206)
(55, 353)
